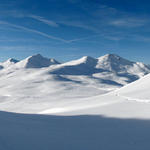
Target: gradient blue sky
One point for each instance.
(70, 29)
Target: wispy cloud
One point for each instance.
(129, 22)
(78, 24)
(45, 34)
(43, 20)
(66, 22)
(110, 16)
(34, 31)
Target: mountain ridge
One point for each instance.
(107, 67)
(36, 61)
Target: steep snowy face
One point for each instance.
(36, 61)
(113, 62)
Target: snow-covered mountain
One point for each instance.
(8, 63)
(129, 101)
(28, 88)
(36, 61)
(106, 120)
(86, 65)
(110, 67)
(83, 66)
(119, 65)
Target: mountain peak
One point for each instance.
(9, 62)
(35, 56)
(113, 62)
(54, 61)
(83, 60)
(12, 60)
(37, 61)
(87, 59)
(112, 57)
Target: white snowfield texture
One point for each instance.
(138, 90)
(29, 86)
(92, 110)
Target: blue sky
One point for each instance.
(70, 29)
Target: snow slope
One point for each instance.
(87, 117)
(103, 122)
(110, 67)
(25, 89)
(138, 90)
(130, 101)
(31, 90)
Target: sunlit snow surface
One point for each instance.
(78, 105)
(37, 84)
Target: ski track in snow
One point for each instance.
(133, 99)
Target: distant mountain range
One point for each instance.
(110, 68)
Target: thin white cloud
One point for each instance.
(34, 31)
(78, 24)
(43, 20)
(46, 35)
(129, 22)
